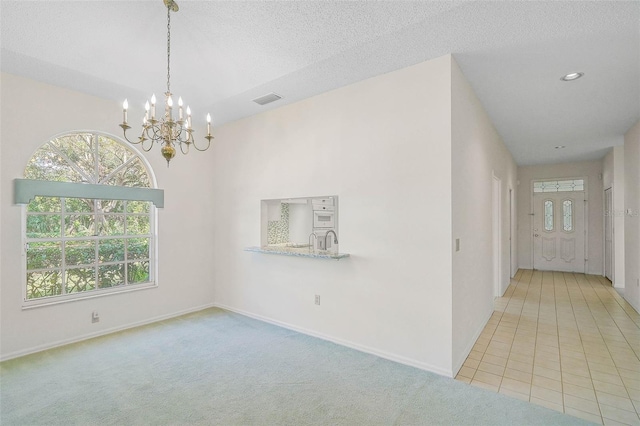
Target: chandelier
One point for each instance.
(166, 130)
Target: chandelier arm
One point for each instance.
(124, 133)
(145, 149)
(208, 138)
(182, 149)
(141, 141)
(156, 133)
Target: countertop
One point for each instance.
(297, 251)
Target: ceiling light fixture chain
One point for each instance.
(168, 50)
(166, 131)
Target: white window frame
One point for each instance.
(557, 181)
(96, 292)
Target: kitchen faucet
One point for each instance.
(335, 238)
(312, 245)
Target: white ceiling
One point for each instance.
(226, 53)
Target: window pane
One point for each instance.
(548, 215)
(537, 187)
(566, 185)
(44, 204)
(109, 224)
(43, 226)
(48, 164)
(567, 213)
(80, 279)
(138, 248)
(138, 272)
(111, 250)
(78, 205)
(44, 255)
(43, 284)
(137, 225)
(133, 174)
(138, 206)
(110, 275)
(112, 155)
(79, 149)
(110, 206)
(78, 225)
(81, 252)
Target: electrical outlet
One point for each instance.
(95, 316)
(317, 299)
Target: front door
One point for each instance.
(558, 231)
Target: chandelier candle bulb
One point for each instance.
(125, 106)
(169, 106)
(180, 108)
(208, 124)
(153, 106)
(146, 111)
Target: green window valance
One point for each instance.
(26, 190)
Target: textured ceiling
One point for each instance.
(226, 53)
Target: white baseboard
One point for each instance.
(632, 303)
(362, 348)
(87, 336)
(458, 364)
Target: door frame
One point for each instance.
(586, 216)
(512, 213)
(609, 217)
(496, 202)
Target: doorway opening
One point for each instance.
(559, 216)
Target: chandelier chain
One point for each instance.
(168, 49)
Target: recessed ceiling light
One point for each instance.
(572, 76)
(560, 147)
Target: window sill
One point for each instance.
(56, 300)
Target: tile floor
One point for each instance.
(565, 341)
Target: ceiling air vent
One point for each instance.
(267, 99)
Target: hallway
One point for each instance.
(565, 341)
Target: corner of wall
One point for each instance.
(632, 215)
(478, 154)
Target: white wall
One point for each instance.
(383, 146)
(613, 177)
(185, 227)
(477, 154)
(592, 171)
(632, 219)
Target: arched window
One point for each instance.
(89, 223)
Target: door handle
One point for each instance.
(536, 235)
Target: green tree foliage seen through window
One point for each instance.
(82, 244)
